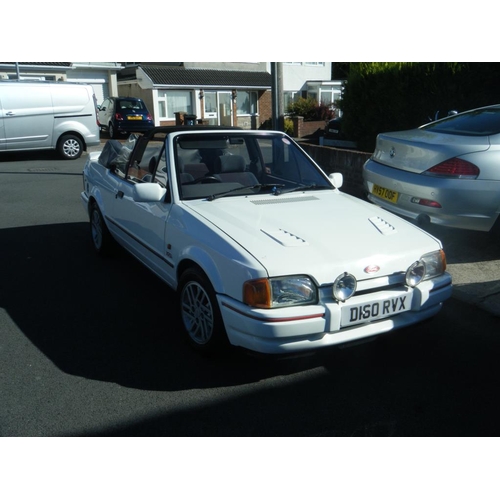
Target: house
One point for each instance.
(310, 79)
(101, 75)
(222, 93)
(228, 94)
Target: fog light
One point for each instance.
(344, 287)
(415, 273)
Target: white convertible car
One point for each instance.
(264, 250)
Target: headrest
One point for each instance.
(230, 163)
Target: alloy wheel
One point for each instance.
(197, 313)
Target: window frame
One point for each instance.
(163, 99)
(252, 94)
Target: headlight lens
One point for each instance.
(344, 287)
(280, 292)
(435, 264)
(429, 266)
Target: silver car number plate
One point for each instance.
(376, 309)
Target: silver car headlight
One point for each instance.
(280, 292)
(429, 266)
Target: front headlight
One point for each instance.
(435, 264)
(429, 266)
(280, 292)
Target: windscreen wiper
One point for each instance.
(309, 187)
(275, 189)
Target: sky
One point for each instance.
(387, 30)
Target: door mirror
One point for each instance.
(148, 192)
(337, 179)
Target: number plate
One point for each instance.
(386, 194)
(376, 309)
(134, 117)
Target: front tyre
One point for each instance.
(101, 238)
(200, 313)
(70, 147)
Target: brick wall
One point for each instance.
(303, 129)
(265, 106)
(348, 163)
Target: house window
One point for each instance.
(173, 101)
(329, 95)
(246, 102)
(289, 98)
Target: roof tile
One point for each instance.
(180, 76)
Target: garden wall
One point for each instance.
(348, 163)
(303, 129)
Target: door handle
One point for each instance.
(10, 113)
(119, 194)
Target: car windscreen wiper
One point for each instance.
(275, 188)
(309, 187)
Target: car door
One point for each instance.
(28, 116)
(142, 223)
(105, 109)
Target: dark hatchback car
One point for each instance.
(123, 115)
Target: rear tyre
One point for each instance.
(103, 242)
(112, 131)
(200, 314)
(70, 147)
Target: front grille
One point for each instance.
(365, 287)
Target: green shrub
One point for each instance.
(288, 126)
(385, 97)
(310, 110)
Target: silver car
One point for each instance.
(446, 172)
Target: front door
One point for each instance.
(141, 225)
(218, 108)
(225, 109)
(211, 108)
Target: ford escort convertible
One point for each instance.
(263, 249)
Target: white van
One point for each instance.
(48, 115)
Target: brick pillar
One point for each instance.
(298, 122)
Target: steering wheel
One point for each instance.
(209, 179)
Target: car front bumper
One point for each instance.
(465, 203)
(295, 329)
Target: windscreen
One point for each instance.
(232, 161)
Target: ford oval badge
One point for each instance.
(371, 269)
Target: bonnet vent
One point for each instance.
(384, 227)
(286, 238)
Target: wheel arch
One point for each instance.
(95, 197)
(197, 258)
(71, 132)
